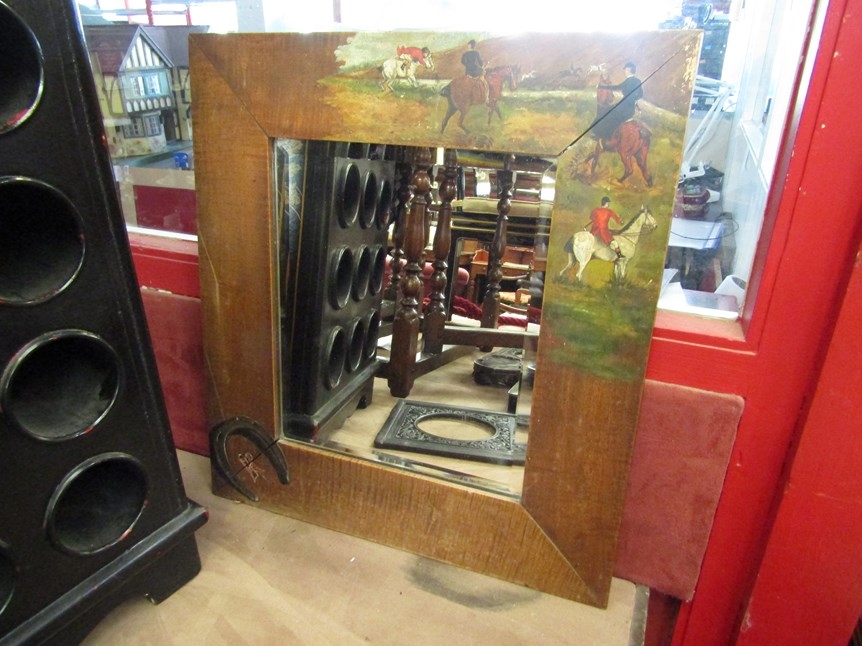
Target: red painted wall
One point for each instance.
(165, 208)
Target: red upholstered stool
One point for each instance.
(461, 280)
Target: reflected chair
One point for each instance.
(441, 343)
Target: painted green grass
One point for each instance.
(598, 327)
(600, 331)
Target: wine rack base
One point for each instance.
(155, 568)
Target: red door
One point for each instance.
(774, 359)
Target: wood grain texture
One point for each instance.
(252, 88)
(235, 241)
(270, 579)
(457, 525)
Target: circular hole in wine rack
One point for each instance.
(60, 385)
(335, 351)
(41, 241)
(372, 332)
(378, 270)
(357, 342)
(97, 504)
(384, 204)
(21, 73)
(341, 277)
(363, 273)
(349, 195)
(370, 195)
(8, 577)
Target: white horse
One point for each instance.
(585, 246)
(402, 67)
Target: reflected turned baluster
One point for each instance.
(435, 315)
(491, 301)
(405, 327)
(404, 169)
(536, 283)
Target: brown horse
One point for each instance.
(465, 92)
(631, 140)
(604, 97)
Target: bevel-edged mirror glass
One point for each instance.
(463, 446)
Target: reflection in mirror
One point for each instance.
(342, 206)
(595, 332)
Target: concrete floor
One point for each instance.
(269, 579)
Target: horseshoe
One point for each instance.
(254, 432)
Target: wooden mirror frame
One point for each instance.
(561, 537)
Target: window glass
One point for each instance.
(744, 90)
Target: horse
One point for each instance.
(631, 139)
(466, 91)
(604, 96)
(403, 67)
(584, 246)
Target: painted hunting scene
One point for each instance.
(608, 110)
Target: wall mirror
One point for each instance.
(341, 324)
(257, 93)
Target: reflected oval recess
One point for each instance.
(335, 357)
(362, 276)
(370, 195)
(356, 344)
(372, 333)
(384, 204)
(378, 270)
(341, 277)
(349, 195)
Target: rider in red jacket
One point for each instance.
(418, 54)
(600, 219)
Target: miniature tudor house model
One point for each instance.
(142, 80)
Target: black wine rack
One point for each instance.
(331, 310)
(94, 509)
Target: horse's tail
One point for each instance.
(569, 246)
(380, 68)
(447, 90)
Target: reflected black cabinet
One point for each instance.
(94, 509)
(343, 205)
